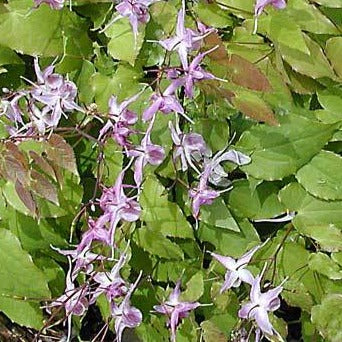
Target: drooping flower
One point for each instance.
(57, 94)
(117, 206)
(146, 153)
(120, 120)
(236, 269)
(261, 4)
(165, 102)
(83, 259)
(175, 309)
(110, 283)
(188, 146)
(126, 316)
(74, 300)
(259, 305)
(217, 175)
(185, 39)
(195, 73)
(54, 4)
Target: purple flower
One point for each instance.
(135, 10)
(217, 175)
(117, 206)
(188, 146)
(95, 232)
(195, 73)
(261, 4)
(54, 4)
(175, 309)
(236, 271)
(120, 118)
(57, 94)
(83, 259)
(146, 153)
(111, 282)
(185, 39)
(126, 316)
(259, 306)
(73, 300)
(166, 102)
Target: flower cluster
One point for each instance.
(260, 302)
(41, 107)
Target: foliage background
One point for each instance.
(281, 105)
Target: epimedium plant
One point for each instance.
(170, 170)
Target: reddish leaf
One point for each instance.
(16, 165)
(255, 108)
(239, 70)
(61, 153)
(43, 164)
(41, 186)
(26, 197)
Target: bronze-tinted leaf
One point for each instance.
(16, 164)
(41, 186)
(212, 87)
(61, 153)
(43, 164)
(238, 69)
(254, 107)
(26, 197)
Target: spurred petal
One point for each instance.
(261, 318)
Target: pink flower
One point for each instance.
(175, 309)
(261, 4)
(54, 4)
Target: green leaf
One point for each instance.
(211, 333)
(326, 317)
(123, 45)
(212, 15)
(215, 132)
(8, 56)
(262, 203)
(86, 93)
(285, 31)
(278, 152)
(19, 276)
(310, 18)
(160, 214)
(314, 65)
(321, 177)
(22, 312)
(194, 288)
(322, 264)
(320, 220)
(331, 100)
(296, 294)
(44, 31)
(164, 248)
(217, 214)
(333, 50)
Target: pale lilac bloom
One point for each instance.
(83, 259)
(120, 120)
(110, 283)
(146, 153)
(54, 4)
(116, 206)
(185, 39)
(261, 4)
(74, 300)
(57, 94)
(165, 102)
(259, 306)
(96, 232)
(195, 73)
(175, 309)
(126, 316)
(236, 269)
(217, 174)
(188, 146)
